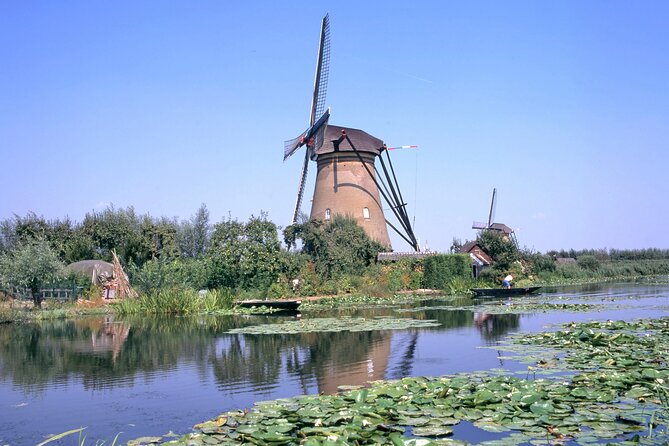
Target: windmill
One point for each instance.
(347, 181)
(491, 225)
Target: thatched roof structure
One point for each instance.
(98, 271)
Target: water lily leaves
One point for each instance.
(617, 384)
(486, 396)
(432, 431)
(542, 408)
(491, 427)
(352, 324)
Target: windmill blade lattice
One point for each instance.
(313, 136)
(322, 72)
(493, 207)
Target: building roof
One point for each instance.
(501, 227)
(96, 270)
(476, 253)
(565, 260)
(363, 141)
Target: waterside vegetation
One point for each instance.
(169, 261)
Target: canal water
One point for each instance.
(148, 376)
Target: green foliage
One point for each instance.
(502, 250)
(608, 270)
(336, 248)
(540, 263)
(245, 255)
(589, 262)
(194, 235)
(157, 274)
(614, 254)
(404, 274)
(440, 269)
(176, 301)
(31, 265)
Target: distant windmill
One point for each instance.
(491, 225)
(347, 182)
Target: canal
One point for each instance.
(148, 376)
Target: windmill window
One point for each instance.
(327, 214)
(365, 213)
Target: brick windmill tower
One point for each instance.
(347, 182)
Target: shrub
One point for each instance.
(442, 268)
(589, 262)
(540, 263)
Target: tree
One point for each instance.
(502, 250)
(337, 247)
(244, 255)
(194, 235)
(31, 265)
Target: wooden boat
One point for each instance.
(504, 292)
(284, 304)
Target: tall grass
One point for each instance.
(176, 301)
(606, 270)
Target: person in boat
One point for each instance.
(506, 283)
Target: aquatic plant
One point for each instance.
(336, 324)
(176, 301)
(605, 381)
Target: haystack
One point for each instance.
(120, 280)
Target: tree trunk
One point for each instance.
(37, 297)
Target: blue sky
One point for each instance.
(562, 106)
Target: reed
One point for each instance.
(176, 301)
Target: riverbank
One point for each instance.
(223, 303)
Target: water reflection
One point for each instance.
(493, 327)
(105, 352)
(157, 374)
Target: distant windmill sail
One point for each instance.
(313, 136)
(493, 207)
(491, 214)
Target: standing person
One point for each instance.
(506, 283)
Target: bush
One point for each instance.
(540, 263)
(589, 262)
(160, 274)
(440, 269)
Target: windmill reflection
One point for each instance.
(327, 360)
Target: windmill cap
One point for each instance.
(363, 141)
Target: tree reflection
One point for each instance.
(105, 353)
(332, 359)
(494, 326)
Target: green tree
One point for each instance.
(245, 255)
(502, 250)
(194, 235)
(136, 238)
(31, 265)
(337, 247)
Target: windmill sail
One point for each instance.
(322, 72)
(491, 214)
(493, 206)
(313, 136)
